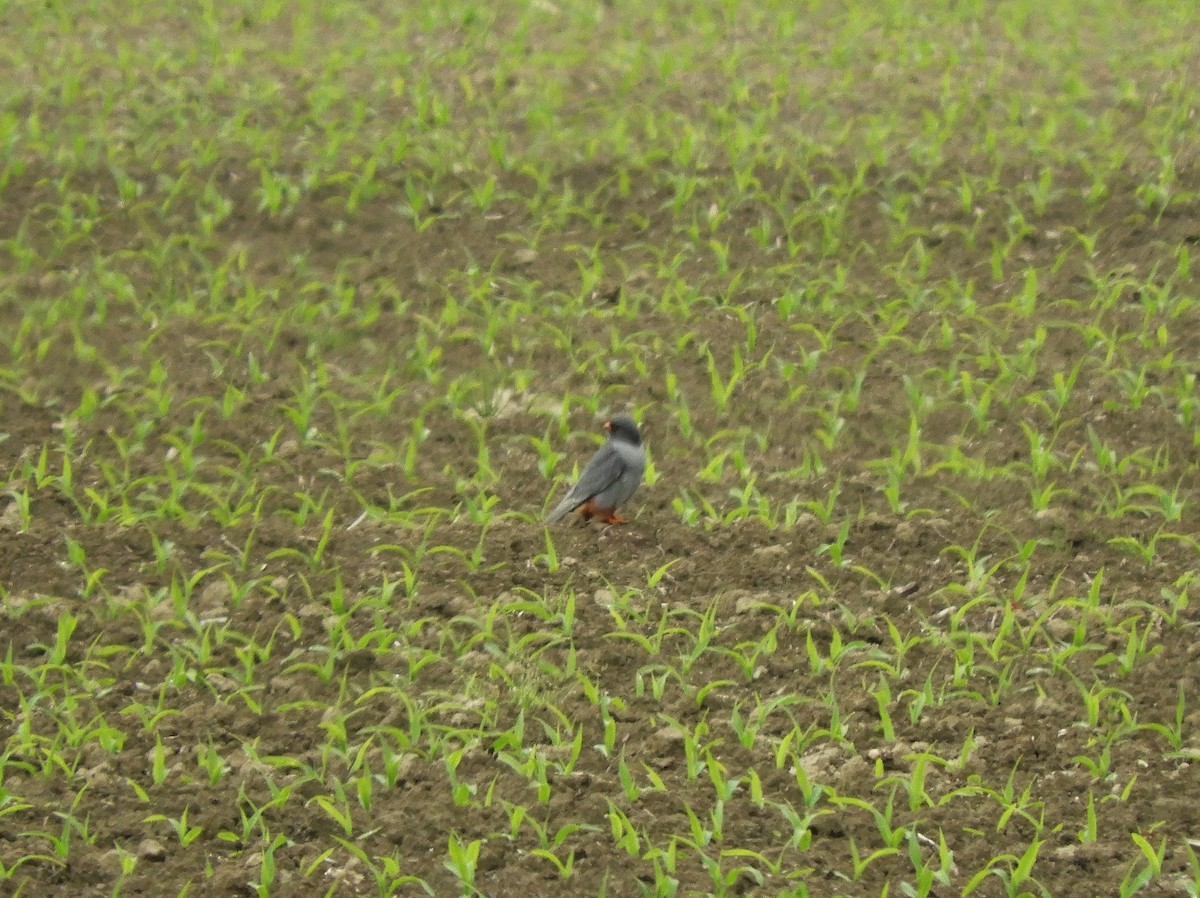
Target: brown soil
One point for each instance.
(741, 572)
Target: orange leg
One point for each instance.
(590, 509)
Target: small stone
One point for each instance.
(151, 850)
(1055, 517)
(10, 518)
(853, 772)
(130, 594)
(406, 768)
(607, 294)
(752, 603)
(1061, 630)
(908, 533)
(1045, 706)
(819, 763)
(162, 610)
(1080, 854)
(223, 684)
(775, 550)
(311, 612)
(670, 734)
(876, 521)
(215, 596)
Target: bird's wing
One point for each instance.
(599, 474)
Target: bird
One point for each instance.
(609, 478)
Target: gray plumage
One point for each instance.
(612, 474)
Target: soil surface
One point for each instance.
(164, 594)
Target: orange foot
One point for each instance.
(590, 510)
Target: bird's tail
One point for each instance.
(562, 509)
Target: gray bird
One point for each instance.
(611, 476)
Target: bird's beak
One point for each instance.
(608, 425)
